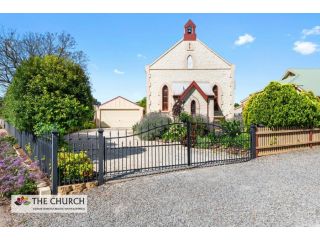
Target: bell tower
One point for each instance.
(190, 31)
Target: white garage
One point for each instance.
(118, 112)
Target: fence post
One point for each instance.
(253, 141)
(189, 142)
(54, 159)
(101, 156)
(310, 138)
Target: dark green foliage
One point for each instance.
(143, 103)
(176, 133)
(231, 128)
(152, 126)
(282, 105)
(206, 141)
(1, 107)
(28, 187)
(198, 123)
(239, 141)
(48, 93)
(185, 117)
(8, 139)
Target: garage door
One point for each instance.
(125, 118)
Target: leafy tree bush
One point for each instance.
(231, 128)
(152, 126)
(239, 141)
(198, 122)
(176, 133)
(281, 105)
(185, 117)
(206, 141)
(74, 166)
(143, 103)
(46, 93)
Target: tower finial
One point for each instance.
(190, 31)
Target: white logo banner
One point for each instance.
(48, 204)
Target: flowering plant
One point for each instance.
(16, 177)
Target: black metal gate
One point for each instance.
(172, 146)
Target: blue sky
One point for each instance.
(262, 46)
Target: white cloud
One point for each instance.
(313, 31)
(244, 39)
(116, 71)
(305, 48)
(139, 55)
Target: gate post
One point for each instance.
(189, 142)
(100, 156)
(54, 159)
(253, 137)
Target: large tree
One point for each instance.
(15, 48)
(282, 105)
(49, 92)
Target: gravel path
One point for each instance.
(280, 190)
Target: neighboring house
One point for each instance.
(118, 112)
(190, 74)
(305, 79)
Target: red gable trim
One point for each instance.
(193, 85)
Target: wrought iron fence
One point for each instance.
(102, 155)
(171, 146)
(38, 149)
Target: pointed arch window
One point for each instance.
(193, 107)
(216, 97)
(190, 62)
(165, 98)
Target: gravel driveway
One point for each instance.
(280, 190)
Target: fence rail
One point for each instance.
(38, 148)
(279, 140)
(97, 156)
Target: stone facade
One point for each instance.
(186, 62)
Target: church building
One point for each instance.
(192, 76)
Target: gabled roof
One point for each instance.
(180, 41)
(307, 79)
(219, 56)
(166, 52)
(113, 99)
(192, 86)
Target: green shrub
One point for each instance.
(240, 141)
(8, 139)
(198, 122)
(281, 105)
(176, 133)
(204, 142)
(47, 93)
(152, 126)
(29, 187)
(89, 125)
(185, 117)
(73, 166)
(199, 125)
(231, 128)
